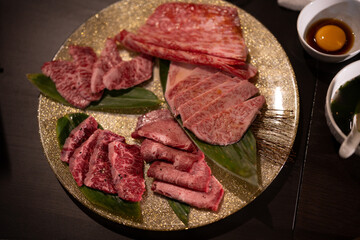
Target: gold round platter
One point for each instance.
(275, 129)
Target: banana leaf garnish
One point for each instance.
(181, 210)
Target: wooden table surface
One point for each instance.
(315, 196)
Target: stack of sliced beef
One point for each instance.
(178, 167)
(199, 34)
(102, 160)
(83, 79)
(216, 107)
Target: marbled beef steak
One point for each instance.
(79, 161)
(127, 169)
(77, 136)
(228, 126)
(99, 174)
(109, 58)
(238, 94)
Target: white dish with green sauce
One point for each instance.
(346, 78)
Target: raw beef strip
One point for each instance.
(195, 76)
(200, 88)
(177, 72)
(183, 161)
(210, 200)
(167, 132)
(203, 28)
(84, 59)
(79, 161)
(77, 136)
(192, 106)
(129, 73)
(63, 74)
(235, 67)
(228, 126)
(198, 179)
(127, 169)
(109, 58)
(238, 94)
(153, 116)
(99, 174)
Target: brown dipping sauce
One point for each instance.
(311, 32)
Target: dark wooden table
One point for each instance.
(316, 195)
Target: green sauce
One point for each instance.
(346, 103)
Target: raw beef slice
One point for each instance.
(127, 169)
(64, 75)
(201, 87)
(193, 33)
(183, 161)
(109, 57)
(99, 174)
(229, 126)
(203, 28)
(77, 136)
(167, 132)
(129, 73)
(153, 116)
(197, 179)
(84, 59)
(210, 200)
(189, 108)
(180, 85)
(238, 94)
(79, 161)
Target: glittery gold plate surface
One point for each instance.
(274, 129)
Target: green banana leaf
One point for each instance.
(181, 210)
(132, 98)
(240, 159)
(46, 86)
(112, 203)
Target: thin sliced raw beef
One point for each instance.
(127, 169)
(178, 71)
(200, 88)
(63, 74)
(183, 161)
(84, 59)
(129, 73)
(192, 106)
(167, 132)
(198, 179)
(79, 161)
(77, 136)
(109, 58)
(238, 94)
(200, 34)
(228, 126)
(192, 78)
(153, 116)
(235, 67)
(203, 28)
(210, 200)
(99, 174)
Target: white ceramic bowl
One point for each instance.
(347, 73)
(347, 11)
